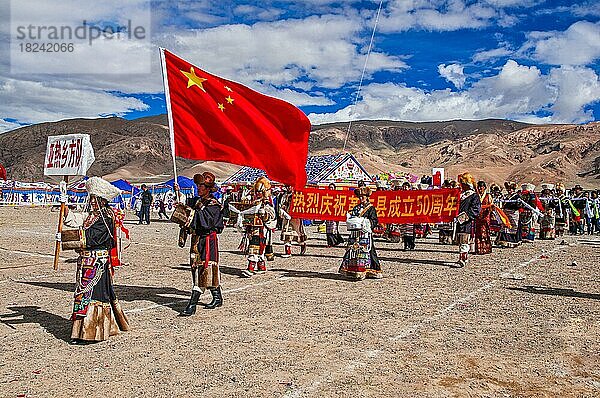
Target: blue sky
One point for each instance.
(530, 60)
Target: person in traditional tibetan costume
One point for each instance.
(407, 230)
(97, 314)
(495, 192)
(445, 229)
(595, 212)
(563, 212)
(360, 260)
(483, 243)
(580, 202)
(205, 222)
(532, 208)
(332, 229)
(469, 209)
(292, 228)
(548, 219)
(510, 236)
(259, 234)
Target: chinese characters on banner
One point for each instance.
(397, 207)
(68, 155)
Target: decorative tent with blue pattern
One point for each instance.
(321, 170)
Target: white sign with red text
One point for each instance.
(68, 155)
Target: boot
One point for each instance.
(262, 267)
(217, 299)
(303, 249)
(462, 261)
(191, 307)
(251, 269)
(288, 251)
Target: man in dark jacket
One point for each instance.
(146, 198)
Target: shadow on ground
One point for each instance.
(553, 291)
(56, 325)
(159, 295)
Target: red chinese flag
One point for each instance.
(217, 119)
(2, 173)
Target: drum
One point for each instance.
(181, 214)
(71, 239)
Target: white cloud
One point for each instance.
(282, 59)
(454, 73)
(487, 55)
(517, 92)
(260, 13)
(32, 102)
(576, 87)
(578, 45)
(448, 15)
(322, 50)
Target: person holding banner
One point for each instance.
(332, 228)
(360, 260)
(469, 209)
(205, 222)
(292, 228)
(97, 314)
(408, 230)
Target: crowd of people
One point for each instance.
(488, 217)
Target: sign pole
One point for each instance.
(61, 216)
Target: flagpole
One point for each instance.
(169, 113)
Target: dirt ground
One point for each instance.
(518, 323)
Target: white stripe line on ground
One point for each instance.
(412, 329)
(32, 254)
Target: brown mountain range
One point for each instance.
(494, 150)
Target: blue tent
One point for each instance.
(185, 184)
(123, 185)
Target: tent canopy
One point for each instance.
(320, 170)
(123, 185)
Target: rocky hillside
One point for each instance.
(491, 149)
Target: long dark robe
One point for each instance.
(483, 243)
(204, 251)
(97, 313)
(511, 236)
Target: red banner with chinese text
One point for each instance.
(397, 207)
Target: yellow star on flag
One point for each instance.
(229, 99)
(221, 107)
(228, 89)
(193, 79)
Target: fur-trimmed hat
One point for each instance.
(528, 187)
(559, 186)
(495, 188)
(467, 179)
(362, 191)
(99, 187)
(207, 179)
(262, 184)
(510, 185)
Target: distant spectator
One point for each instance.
(146, 198)
(162, 209)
